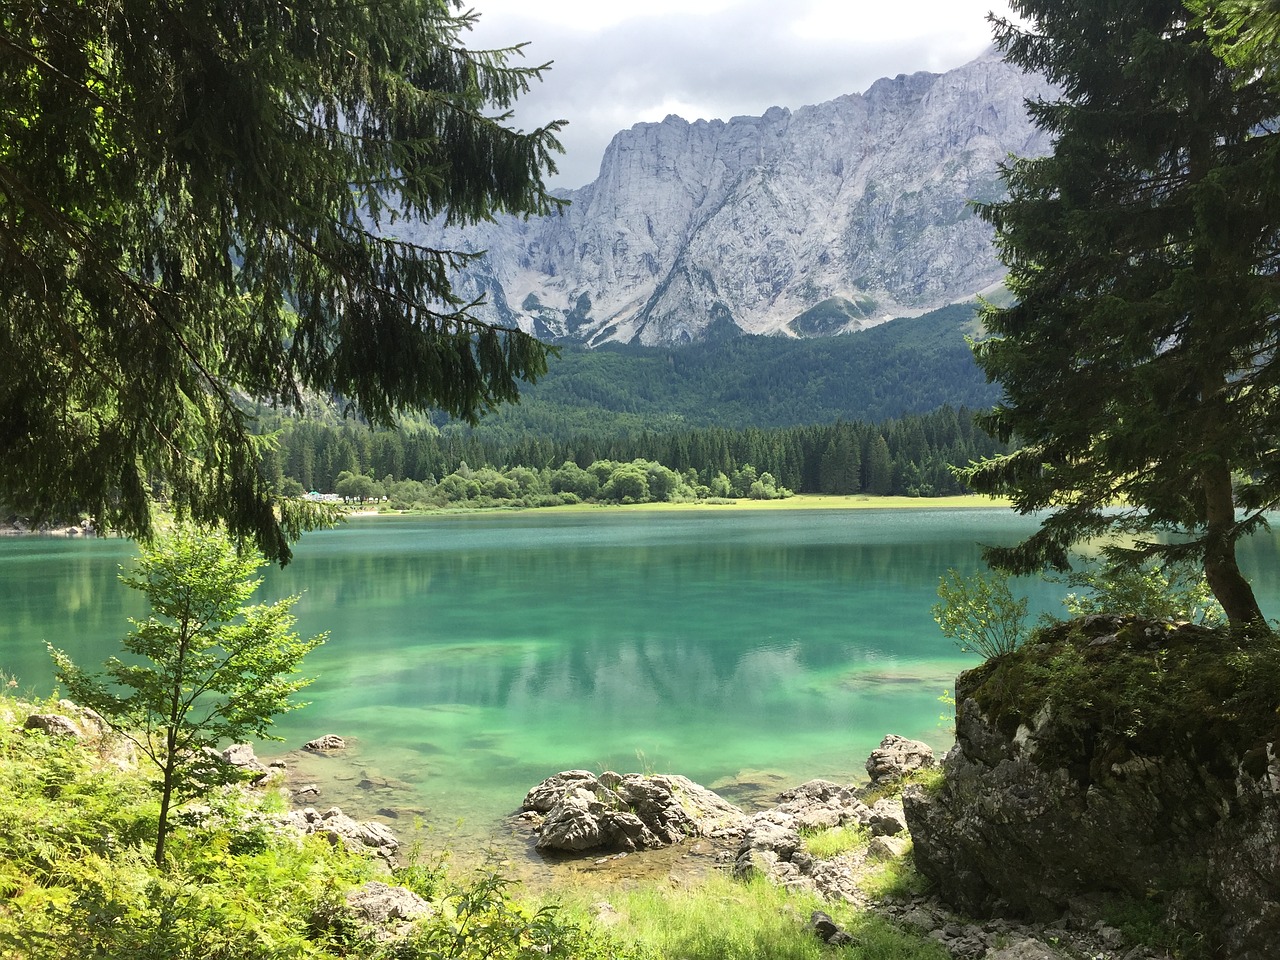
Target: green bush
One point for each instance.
(980, 613)
(1151, 590)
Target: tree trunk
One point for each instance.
(167, 773)
(1220, 568)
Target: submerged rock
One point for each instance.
(325, 744)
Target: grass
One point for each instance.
(833, 841)
(801, 501)
(77, 879)
(720, 918)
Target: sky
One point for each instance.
(622, 62)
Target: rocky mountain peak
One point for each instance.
(803, 222)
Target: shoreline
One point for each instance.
(798, 502)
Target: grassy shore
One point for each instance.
(802, 501)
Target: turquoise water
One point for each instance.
(470, 657)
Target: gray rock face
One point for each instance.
(896, 757)
(581, 811)
(1008, 834)
(857, 207)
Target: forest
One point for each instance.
(883, 411)
(910, 456)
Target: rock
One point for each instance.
(605, 913)
(829, 932)
(1041, 808)
(886, 818)
(377, 902)
(1025, 949)
(888, 848)
(241, 757)
(821, 803)
(54, 724)
(73, 720)
(896, 757)
(325, 744)
(384, 911)
(554, 789)
(635, 812)
(359, 837)
(753, 221)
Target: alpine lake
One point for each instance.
(471, 656)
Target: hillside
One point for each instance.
(910, 365)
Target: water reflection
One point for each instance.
(470, 657)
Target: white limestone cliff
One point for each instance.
(858, 207)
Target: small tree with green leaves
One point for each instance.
(205, 668)
(1154, 590)
(980, 613)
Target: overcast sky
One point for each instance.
(621, 62)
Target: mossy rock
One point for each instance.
(1119, 687)
(1120, 758)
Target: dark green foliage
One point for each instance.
(1245, 33)
(198, 202)
(1139, 363)
(920, 452)
(1146, 688)
(831, 316)
(911, 365)
(75, 881)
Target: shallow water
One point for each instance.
(470, 657)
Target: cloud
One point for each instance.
(618, 64)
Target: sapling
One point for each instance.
(205, 668)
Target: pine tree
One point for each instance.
(199, 203)
(1139, 362)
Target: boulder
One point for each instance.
(379, 903)
(886, 818)
(383, 912)
(54, 724)
(896, 757)
(368, 836)
(1161, 785)
(830, 932)
(581, 811)
(821, 803)
(72, 720)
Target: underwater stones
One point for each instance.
(325, 744)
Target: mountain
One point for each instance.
(817, 221)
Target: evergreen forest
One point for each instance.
(885, 411)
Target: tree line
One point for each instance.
(911, 456)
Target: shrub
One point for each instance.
(980, 613)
